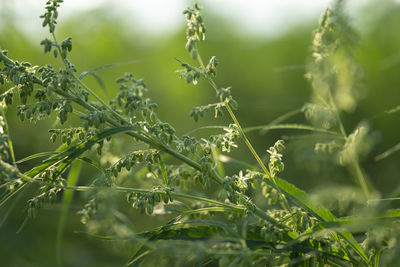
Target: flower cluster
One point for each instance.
(199, 111)
(195, 30)
(276, 164)
(51, 15)
(68, 135)
(191, 74)
(145, 202)
(130, 160)
(131, 98)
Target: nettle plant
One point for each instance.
(253, 218)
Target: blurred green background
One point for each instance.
(267, 78)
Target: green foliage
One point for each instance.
(252, 218)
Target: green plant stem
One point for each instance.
(246, 140)
(228, 108)
(138, 136)
(84, 85)
(259, 212)
(114, 123)
(243, 135)
(361, 179)
(5, 59)
(355, 164)
(332, 103)
(219, 166)
(7, 131)
(270, 126)
(136, 190)
(208, 209)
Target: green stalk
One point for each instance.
(84, 85)
(7, 131)
(246, 140)
(361, 179)
(226, 104)
(355, 164)
(164, 172)
(136, 190)
(219, 166)
(258, 212)
(162, 147)
(243, 135)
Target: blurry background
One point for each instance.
(262, 47)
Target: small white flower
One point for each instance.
(241, 182)
(228, 130)
(274, 154)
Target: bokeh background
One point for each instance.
(262, 47)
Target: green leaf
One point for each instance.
(291, 126)
(300, 198)
(34, 156)
(66, 157)
(7, 195)
(392, 213)
(201, 230)
(138, 257)
(357, 223)
(76, 151)
(189, 233)
(93, 163)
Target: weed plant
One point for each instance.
(252, 218)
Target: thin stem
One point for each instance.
(246, 140)
(164, 172)
(5, 59)
(84, 85)
(114, 123)
(150, 141)
(355, 164)
(135, 190)
(361, 179)
(341, 127)
(7, 131)
(226, 104)
(243, 135)
(157, 179)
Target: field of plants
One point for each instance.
(202, 149)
